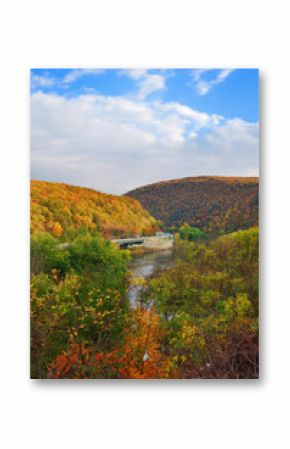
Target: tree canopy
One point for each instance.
(62, 208)
(209, 203)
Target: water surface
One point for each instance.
(144, 266)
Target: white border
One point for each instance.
(165, 414)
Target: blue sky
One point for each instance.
(117, 129)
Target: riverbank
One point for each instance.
(142, 250)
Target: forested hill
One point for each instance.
(57, 207)
(208, 202)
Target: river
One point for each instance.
(144, 266)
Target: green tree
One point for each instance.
(192, 234)
(46, 253)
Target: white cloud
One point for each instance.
(135, 74)
(147, 83)
(200, 119)
(114, 144)
(202, 85)
(150, 84)
(46, 80)
(41, 81)
(75, 74)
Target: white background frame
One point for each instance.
(143, 414)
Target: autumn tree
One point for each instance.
(56, 229)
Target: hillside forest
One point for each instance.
(211, 203)
(61, 208)
(196, 319)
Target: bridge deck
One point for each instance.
(128, 241)
(161, 241)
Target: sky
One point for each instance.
(117, 129)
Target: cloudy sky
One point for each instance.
(114, 130)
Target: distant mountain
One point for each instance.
(56, 207)
(211, 203)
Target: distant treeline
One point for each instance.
(209, 203)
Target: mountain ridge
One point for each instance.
(212, 203)
(199, 178)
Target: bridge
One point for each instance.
(158, 241)
(161, 241)
(125, 243)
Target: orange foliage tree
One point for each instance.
(56, 229)
(139, 357)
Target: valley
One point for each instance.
(119, 291)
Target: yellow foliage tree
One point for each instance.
(57, 229)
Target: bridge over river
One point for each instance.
(162, 241)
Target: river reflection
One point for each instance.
(144, 266)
